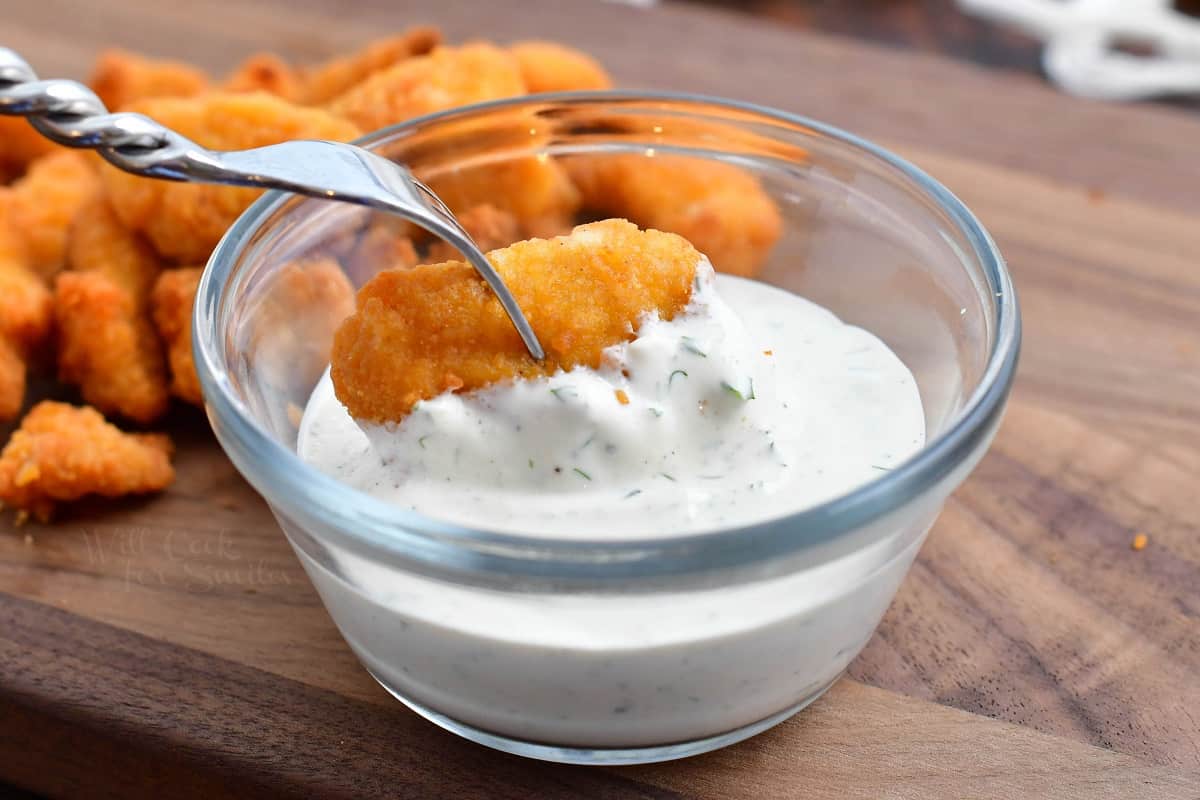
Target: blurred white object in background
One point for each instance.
(1082, 38)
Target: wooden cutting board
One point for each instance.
(174, 648)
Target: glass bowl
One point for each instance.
(617, 650)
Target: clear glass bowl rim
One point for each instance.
(385, 533)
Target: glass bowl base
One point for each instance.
(604, 756)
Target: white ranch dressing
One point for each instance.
(750, 404)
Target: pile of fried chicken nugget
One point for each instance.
(99, 268)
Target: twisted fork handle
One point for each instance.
(71, 114)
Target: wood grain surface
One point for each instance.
(175, 648)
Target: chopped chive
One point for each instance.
(421, 441)
(583, 446)
(696, 282)
(658, 412)
(562, 392)
(883, 469)
(690, 345)
(531, 463)
(632, 494)
(736, 392)
(671, 378)
(668, 477)
(582, 474)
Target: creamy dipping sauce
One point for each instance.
(751, 404)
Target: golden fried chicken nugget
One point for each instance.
(422, 331)
(106, 341)
(293, 328)
(384, 244)
(172, 300)
(108, 347)
(44, 204)
(24, 307)
(266, 72)
(100, 242)
(120, 78)
(535, 189)
(63, 452)
(721, 209)
(326, 81)
(550, 67)
(12, 381)
(20, 144)
(447, 77)
(25, 315)
(488, 226)
(185, 221)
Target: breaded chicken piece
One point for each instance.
(172, 300)
(44, 204)
(63, 452)
(185, 221)
(108, 347)
(383, 245)
(106, 341)
(550, 67)
(25, 314)
(120, 78)
(326, 81)
(294, 325)
(12, 381)
(266, 72)
(447, 77)
(422, 331)
(20, 144)
(536, 190)
(721, 209)
(488, 226)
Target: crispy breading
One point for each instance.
(721, 209)
(489, 227)
(266, 72)
(447, 77)
(25, 316)
(99, 242)
(419, 332)
(172, 300)
(534, 189)
(63, 452)
(106, 342)
(44, 204)
(294, 323)
(185, 221)
(24, 306)
(326, 81)
(550, 67)
(25, 313)
(120, 78)
(108, 347)
(12, 381)
(20, 144)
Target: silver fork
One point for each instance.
(71, 114)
